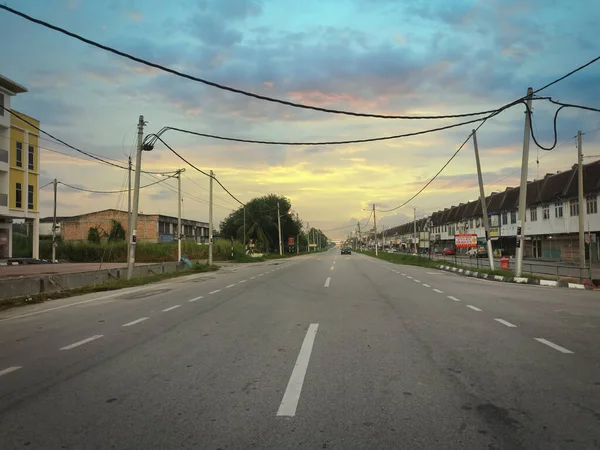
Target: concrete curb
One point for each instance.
(9, 263)
(519, 280)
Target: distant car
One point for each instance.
(346, 251)
(448, 251)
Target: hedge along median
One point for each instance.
(102, 286)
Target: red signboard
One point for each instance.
(290, 241)
(465, 240)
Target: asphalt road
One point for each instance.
(320, 351)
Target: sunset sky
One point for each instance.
(411, 57)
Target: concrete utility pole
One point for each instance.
(279, 230)
(375, 225)
(210, 220)
(244, 229)
(582, 270)
(129, 205)
(298, 244)
(136, 198)
(523, 189)
(415, 228)
(179, 200)
(308, 236)
(55, 183)
(486, 224)
(314, 239)
(359, 236)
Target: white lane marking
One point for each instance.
(141, 319)
(408, 276)
(261, 274)
(416, 281)
(553, 345)
(229, 286)
(289, 403)
(474, 308)
(194, 299)
(327, 281)
(454, 298)
(438, 291)
(252, 278)
(334, 262)
(434, 273)
(20, 316)
(9, 370)
(214, 292)
(171, 308)
(332, 267)
(403, 274)
(243, 281)
(504, 322)
(85, 341)
(426, 285)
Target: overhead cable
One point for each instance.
(120, 191)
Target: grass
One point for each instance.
(110, 285)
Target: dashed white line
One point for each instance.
(416, 281)
(9, 370)
(85, 341)
(474, 308)
(261, 274)
(504, 322)
(426, 285)
(243, 281)
(332, 267)
(229, 286)
(454, 298)
(403, 274)
(252, 278)
(171, 308)
(214, 292)
(553, 345)
(409, 277)
(194, 299)
(141, 319)
(438, 291)
(289, 403)
(327, 281)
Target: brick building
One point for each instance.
(151, 227)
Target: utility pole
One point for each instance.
(523, 188)
(210, 220)
(314, 240)
(279, 230)
(54, 223)
(486, 224)
(129, 166)
(136, 198)
(415, 228)
(308, 236)
(375, 225)
(298, 244)
(359, 236)
(244, 229)
(179, 214)
(582, 271)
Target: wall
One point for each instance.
(77, 230)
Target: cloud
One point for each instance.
(135, 15)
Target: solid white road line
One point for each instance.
(454, 298)
(229, 286)
(426, 285)
(438, 291)
(85, 341)
(171, 308)
(289, 403)
(9, 370)
(327, 281)
(553, 345)
(214, 292)
(141, 319)
(194, 299)
(474, 308)
(504, 322)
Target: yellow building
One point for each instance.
(19, 169)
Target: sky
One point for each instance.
(395, 57)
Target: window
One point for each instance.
(471, 224)
(163, 228)
(513, 217)
(574, 208)
(2, 104)
(18, 196)
(445, 228)
(504, 218)
(30, 197)
(30, 157)
(558, 209)
(19, 156)
(591, 206)
(533, 214)
(546, 212)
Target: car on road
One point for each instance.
(346, 251)
(448, 251)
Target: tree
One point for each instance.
(93, 235)
(261, 222)
(117, 232)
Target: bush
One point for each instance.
(93, 235)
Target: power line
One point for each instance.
(221, 86)
(91, 155)
(589, 63)
(120, 191)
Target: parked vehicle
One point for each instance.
(448, 251)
